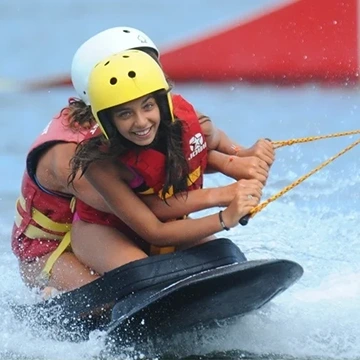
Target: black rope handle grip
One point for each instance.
(244, 220)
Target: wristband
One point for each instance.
(222, 222)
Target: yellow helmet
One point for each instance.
(124, 77)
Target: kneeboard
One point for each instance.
(200, 300)
(74, 314)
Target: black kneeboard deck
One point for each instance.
(200, 300)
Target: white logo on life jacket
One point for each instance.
(46, 128)
(197, 145)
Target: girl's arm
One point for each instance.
(192, 201)
(105, 177)
(177, 207)
(230, 159)
(216, 139)
(238, 167)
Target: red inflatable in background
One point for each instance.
(304, 40)
(301, 41)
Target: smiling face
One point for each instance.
(137, 120)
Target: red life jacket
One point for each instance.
(150, 164)
(40, 213)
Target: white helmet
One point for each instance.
(100, 46)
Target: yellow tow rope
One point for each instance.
(277, 144)
(281, 143)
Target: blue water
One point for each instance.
(316, 224)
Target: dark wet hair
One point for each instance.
(77, 115)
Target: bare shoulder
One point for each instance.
(54, 169)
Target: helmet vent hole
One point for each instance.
(107, 63)
(126, 31)
(131, 74)
(125, 56)
(113, 80)
(84, 92)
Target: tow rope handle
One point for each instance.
(245, 219)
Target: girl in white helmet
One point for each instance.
(142, 144)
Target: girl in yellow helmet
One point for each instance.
(140, 145)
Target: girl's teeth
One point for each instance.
(142, 133)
